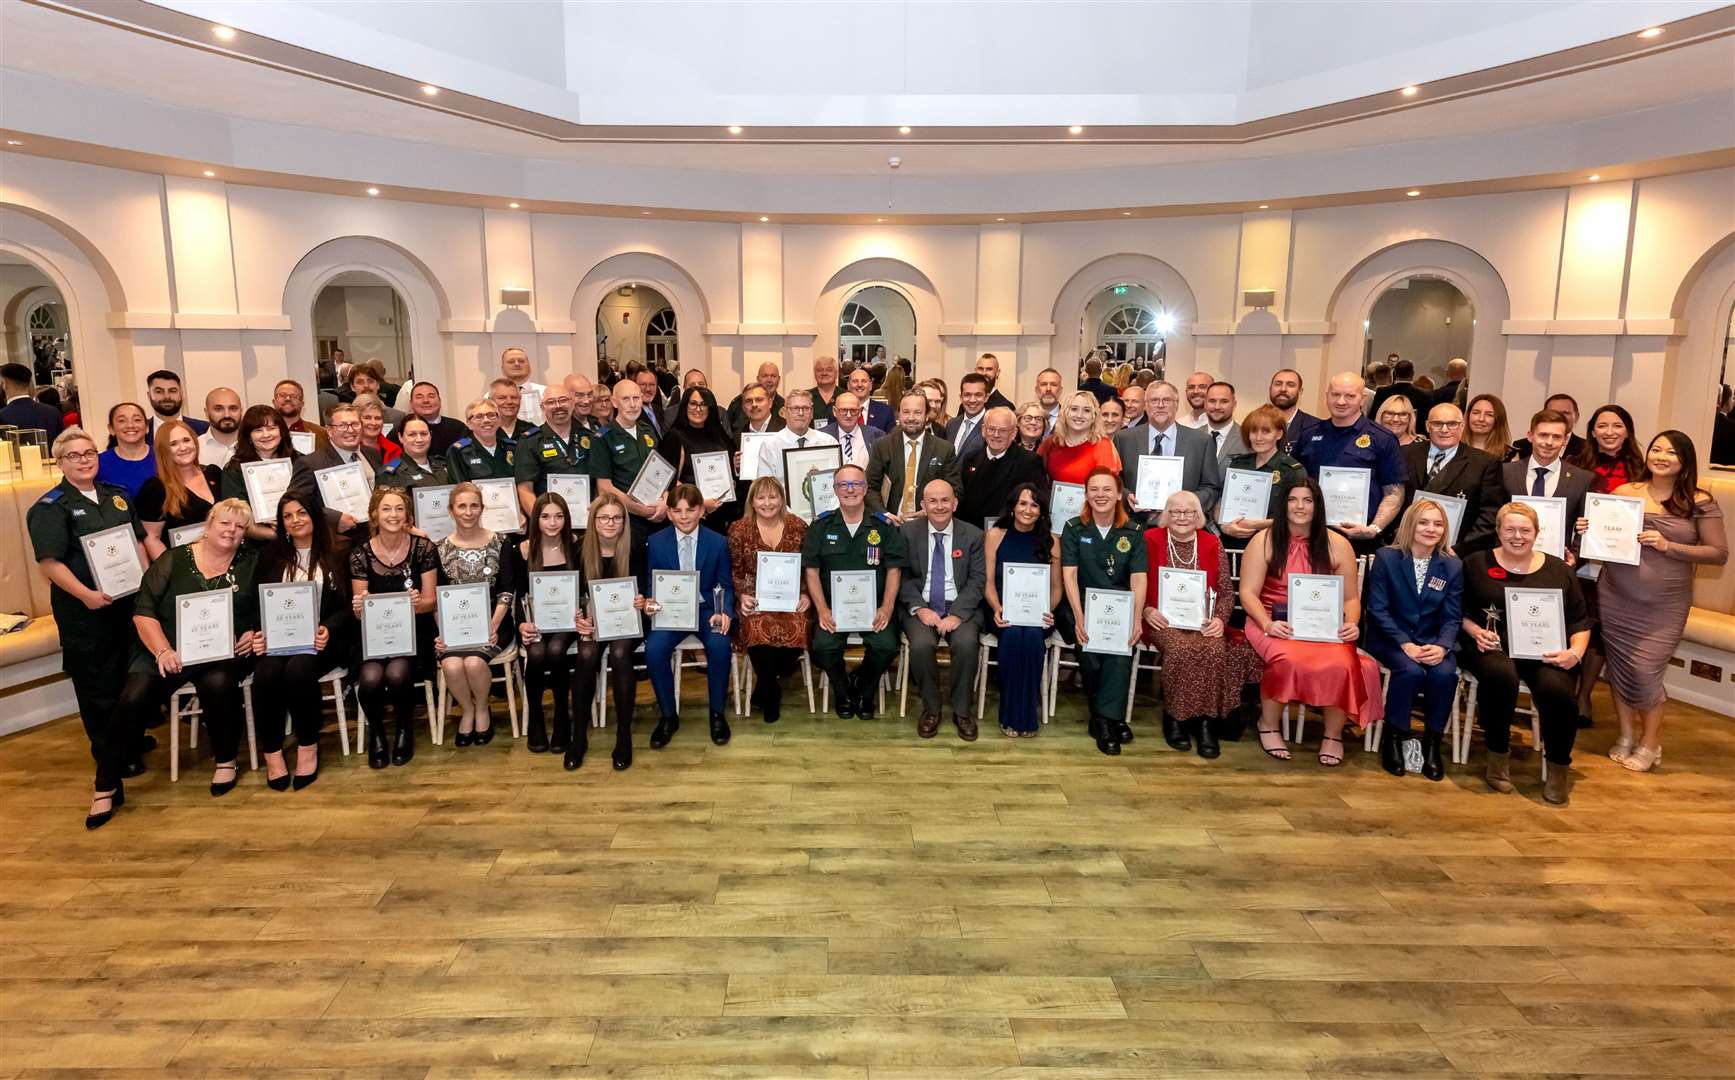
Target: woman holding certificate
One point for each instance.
(1263, 430)
(395, 648)
(607, 553)
(196, 613)
(1613, 457)
(417, 466)
(182, 492)
(1544, 649)
(1102, 564)
(1023, 589)
(553, 550)
(1307, 640)
(1079, 445)
(306, 631)
(698, 429)
(473, 555)
(1645, 605)
(774, 627)
(264, 437)
(1415, 597)
(1186, 614)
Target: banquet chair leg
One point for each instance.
(252, 736)
(342, 721)
(806, 679)
(174, 739)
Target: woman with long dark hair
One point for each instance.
(1486, 427)
(608, 552)
(1612, 455)
(698, 429)
(1644, 607)
(551, 547)
(1022, 534)
(264, 436)
(131, 460)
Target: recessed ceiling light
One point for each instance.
(1412, 193)
(764, 219)
(511, 206)
(431, 91)
(1411, 91)
(209, 172)
(224, 33)
(879, 221)
(1126, 213)
(373, 191)
(999, 219)
(734, 129)
(1264, 206)
(904, 129)
(1594, 177)
(1076, 129)
(14, 142)
(1655, 31)
(644, 213)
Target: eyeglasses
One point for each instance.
(614, 519)
(79, 456)
(849, 485)
(349, 426)
(1445, 425)
(1180, 512)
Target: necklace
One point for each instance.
(1192, 560)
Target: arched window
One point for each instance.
(1130, 334)
(858, 331)
(50, 343)
(660, 341)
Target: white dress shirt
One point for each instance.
(855, 446)
(771, 450)
(1197, 420)
(967, 424)
(1156, 440)
(1549, 482)
(927, 560)
(212, 452)
(530, 401)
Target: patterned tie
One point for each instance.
(687, 552)
(908, 502)
(937, 576)
(1540, 485)
(1436, 462)
(849, 446)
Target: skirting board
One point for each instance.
(49, 698)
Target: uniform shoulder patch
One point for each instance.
(461, 443)
(120, 502)
(393, 467)
(584, 441)
(53, 494)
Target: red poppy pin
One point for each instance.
(1496, 572)
(957, 553)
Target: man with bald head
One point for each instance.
(1197, 387)
(584, 396)
(1444, 465)
(617, 455)
(988, 366)
(1347, 439)
(994, 468)
(938, 598)
(1457, 373)
(223, 413)
(769, 376)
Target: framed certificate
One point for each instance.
(1246, 495)
(464, 612)
(1551, 512)
(677, 595)
(113, 555)
(611, 605)
(777, 580)
(1452, 505)
(1346, 493)
(575, 489)
(653, 479)
(713, 477)
(1181, 597)
(500, 510)
(289, 617)
(186, 534)
(1615, 524)
(1109, 617)
(1024, 593)
(1315, 608)
(1157, 477)
(266, 481)
(752, 444)
(345, 488)
(855, 598)
(1065, 502)
(388, 626)
(305, 442)
(205, 626)
(530, 403)
(554, 601)
(434, 511)
(807, 469)
(1535, 623)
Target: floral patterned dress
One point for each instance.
(784, 629)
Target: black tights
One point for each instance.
(623, 680)
(388, 682)
(289, 685)
(771, 664)
(219, 687)
(547, 667)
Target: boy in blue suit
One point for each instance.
(685, 546)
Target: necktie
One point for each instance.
(1216, 440)
(909, 500)
(1540, 485)
(964, 431)
(937, 576)
(800, 440)
(687, 552)
(849, 445)
(1436, 461)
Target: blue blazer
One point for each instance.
(1398, 614)
(711, 560)
(880, 415)
(27, 412)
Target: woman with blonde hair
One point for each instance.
(1398, 416)
(393, 560)
(1078, 445)
(1486, 427)
(473, 555)
(773, 641)
(1032, 425)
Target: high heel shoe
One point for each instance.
(404, 745)
(1642, 759)
(116, 800)
(536, 734)
(219, 788)
(623, 748)
(575, 750)
(277, 783)
(463, 738)
(301, 780)
(485, 735)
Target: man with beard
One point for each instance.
(287, 397)
(1284, 392)
(223, 413)
(988, 366)
(1197, 386)
(1048, 395)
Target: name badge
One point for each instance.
(1437, 584)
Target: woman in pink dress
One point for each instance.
(1330, 675)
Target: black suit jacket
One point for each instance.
(988, 484)
(954, 425)
(1574, 484)
(997, 400)
(327, 458)
(28, 413)
(1472, 475)
(1421, 400)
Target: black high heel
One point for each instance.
(218, 790)
(116, 800)
(404, 745)
(278, 783)
(623, 748)
(484, 736)
(463, 738)
(302, 780)
(575, 750)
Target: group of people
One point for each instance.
(939, 508)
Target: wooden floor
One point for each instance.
(836, 899)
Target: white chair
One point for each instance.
(985, 660)
(1467, 683)
(510, 674)
(1057, 658)
(601, 718)
(1458, 748)
(741, 672)
(1155, 667)
(333, 680)
(184, 705)
(825, 682)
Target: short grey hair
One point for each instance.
(69, 435)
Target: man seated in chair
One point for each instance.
(685, 546)
(938, 600)
(851, 538)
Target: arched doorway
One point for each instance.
(636, 323)
(1423, 318)
(1126, 324)
(877, 325)
(363, 315)
(38, 326)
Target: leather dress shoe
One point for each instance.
(866, 699)
(1392, 749)
(929, 725)
(378, 754)
(719, 729)
(1175, 734)
(1105, 738)
(404, 747)
(1123, 731)
(575, 748)
(536, 736)
(1432, 767)
(664, 731)
(966, 727)
(1207, 740)
(844, 690)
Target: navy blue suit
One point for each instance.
(1399, 615)
(26, 412)
(711, 560)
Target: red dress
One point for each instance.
(1073, 464)
(1318, 673)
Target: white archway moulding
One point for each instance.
(692, 314)
(1352, 303)
(424, 300)
(1126, 268)
(1703, 303)
(900, 277)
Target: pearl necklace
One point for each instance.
(1175, 562)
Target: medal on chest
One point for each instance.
(873, 551)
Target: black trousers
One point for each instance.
(1553, 691)
(548, 667)
(97, 673)
(289, 685)
(771, 665)
(219, 687)
(623, 681)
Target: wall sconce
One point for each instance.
(514, 297)
(1259, 298)
(626, 290)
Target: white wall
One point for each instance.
(1586, 289)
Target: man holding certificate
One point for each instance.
(1103, 550)
(852, 540)
(695, 564)
(559, 447)
(620, 462)
(1543, 649)
(1346, 439)
(937, 601)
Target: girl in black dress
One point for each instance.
(608, 552)
(264, 436)
(546, 665)
(182, 492)
(392, 560)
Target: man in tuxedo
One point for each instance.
(856, 438)
(1165, 437)
(1545, 472)
(1567, 406)
(997, 465)
(964, 431)
(878, 414)
(343, 449)
(769, 376)
(1284, 393)
(988, 366)
(1220, 426)
(937, 600)
(892, 488)
(21, 409)
(1447, 467)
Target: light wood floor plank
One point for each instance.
(921, 995)
(1072, 957)
(802, 1040)
(259, 1046)
(1382, 1049)
(1379, 963)
(418, 997)
(1683, 1051)
(642, 956)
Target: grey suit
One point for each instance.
(1228, 445)
(969, 573)
(1199, 471)
(935, 460)
(1574, 484)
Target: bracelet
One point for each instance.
(158, 655)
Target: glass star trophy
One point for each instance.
(717, 609)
